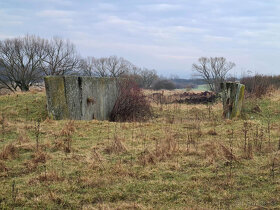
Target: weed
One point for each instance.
(274, 161)
(14, 192)
(3, 124)
(3, 167)
(37, 133)
(228, 153)
(9, 151)
(97, 159)
(116, 146)
(245, 130)
(231, 136)
(67, 133)
(49, 176)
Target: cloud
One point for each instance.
(210, 38)
(160, 34)
(52, 2)
(160, 7)
(55, 13)
(186, 29)
(107, 7)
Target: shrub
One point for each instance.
(131, 104)
(164, 84)
(260, 85)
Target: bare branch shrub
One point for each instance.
(131, 104)
(260, 85)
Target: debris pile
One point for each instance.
(197, 98)
(186, 97)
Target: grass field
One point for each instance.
(187, 156)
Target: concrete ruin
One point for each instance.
(233, 97)
(80, 98)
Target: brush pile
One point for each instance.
(186, 97)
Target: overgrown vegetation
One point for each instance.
(187, 156)
(260, 85)
(131, 104)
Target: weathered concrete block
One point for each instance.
(233, 97)
(80, 98)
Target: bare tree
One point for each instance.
(213, 70)
(106, 67)
(147, 78)
(60, 57)
(100, 67)
(118, 66)
(86, 66)
(21, 60)
(2, 86)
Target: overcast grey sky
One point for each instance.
(166, 35)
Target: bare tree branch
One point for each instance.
(61, 57)
(21, 60)
(106, 67)
(213, 70)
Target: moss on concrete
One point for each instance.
(233, 96)
(56, 99)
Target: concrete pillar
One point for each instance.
(80, 98)
(233, 97)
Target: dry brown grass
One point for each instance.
(38, 157)
(3, 167)
(9, 152)
(117, 146)
(68, 129)
(47, 176)
(212, 132)
(192, 159)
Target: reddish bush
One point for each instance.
(131, 104)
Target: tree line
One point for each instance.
(24, 61)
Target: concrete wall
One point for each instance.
(80, 98)
(233, 97)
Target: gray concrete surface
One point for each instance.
(80, 98)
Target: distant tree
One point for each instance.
(21, 61)
(112, 66)
(147, 78)
(2, 86)
(86, 66)
(60, 57)
(213, 70)
(164, 84)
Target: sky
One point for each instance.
(165, 35)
